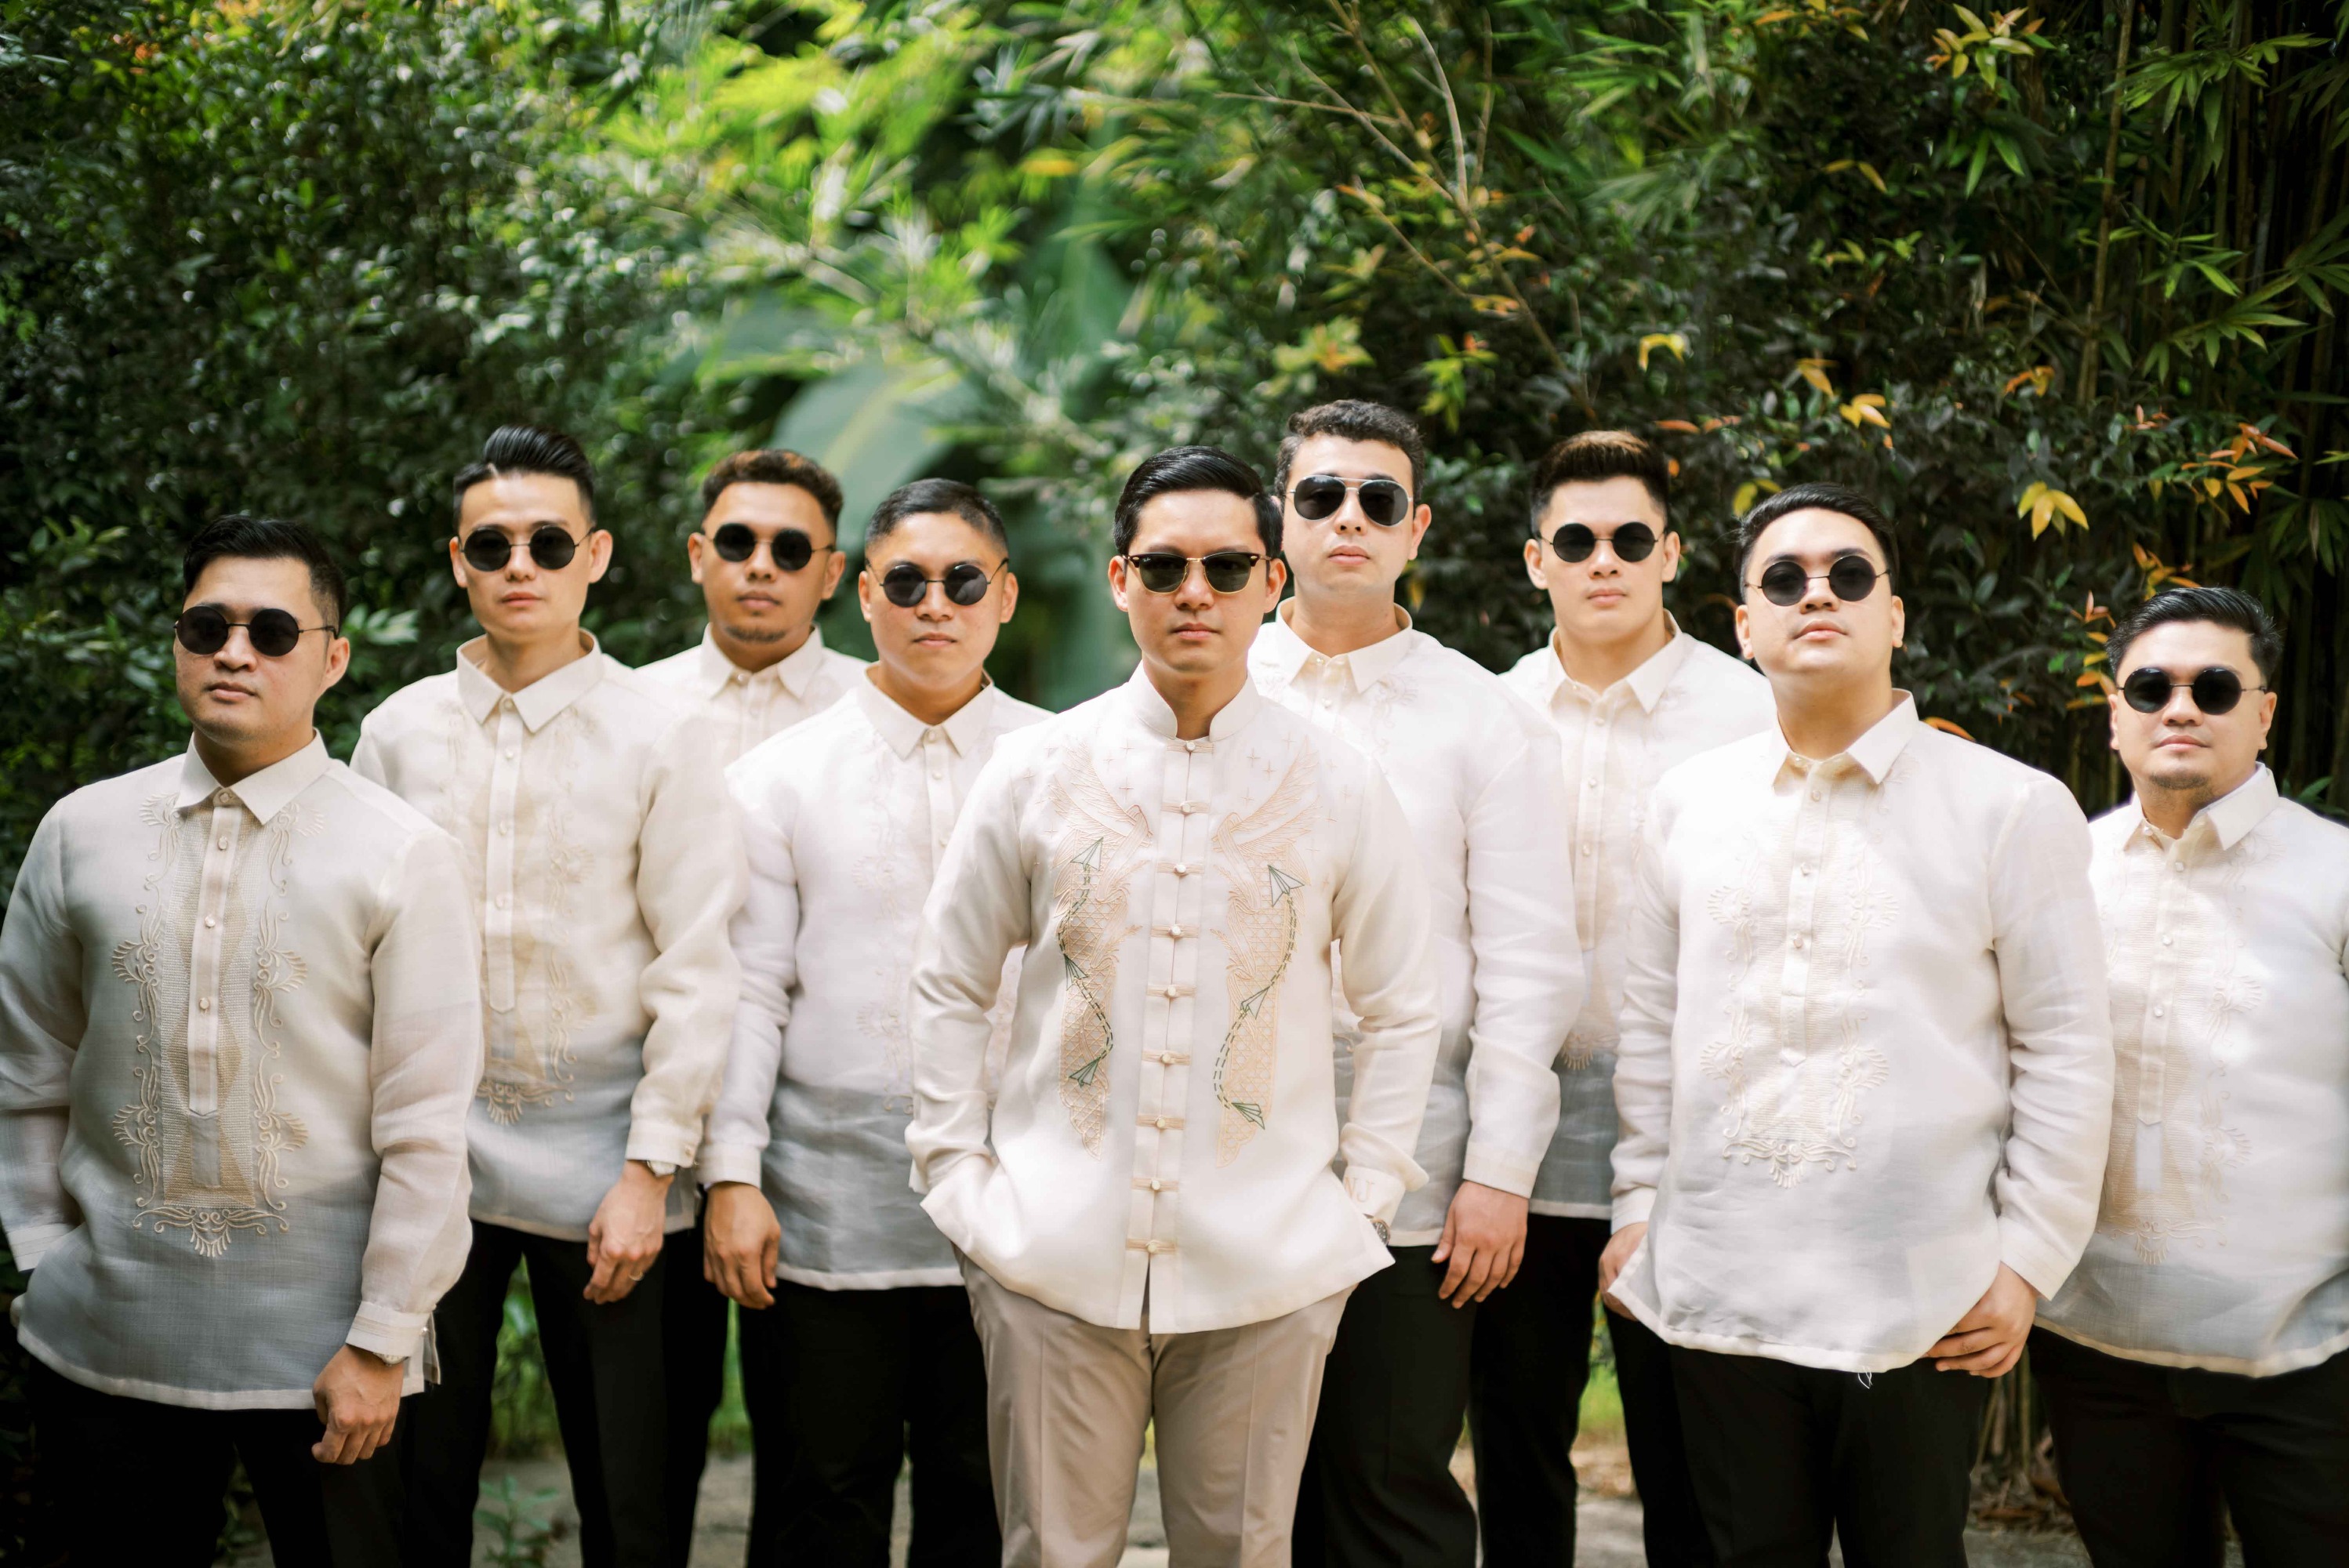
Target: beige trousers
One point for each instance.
(1068, 1402)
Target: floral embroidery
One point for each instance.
(1089, 900)
(1259, 940)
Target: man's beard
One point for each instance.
(756, 635)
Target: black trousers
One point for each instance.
(1787, 1457)
(2147, 1454)
(131, 1481)
(1527, 1375)
(1378, 1485)
(842, 1388)
(693, 1358)
(604, 1364)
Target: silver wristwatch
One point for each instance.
(1386, 1237)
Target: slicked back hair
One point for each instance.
(1597, 455)
(2228, 607)
(951, 497)
(775, 466)
(1181, 468)
(239, 537)
(1816, 498)
(530, 450)
(1354, 419)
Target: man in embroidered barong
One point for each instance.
(857, 1346)
(1160, 1212)
(239, 1023)
(1865, 1073)
(2197, 1363)
(766, 558)
(1631, 694)
(1476, 771)
(602, 854)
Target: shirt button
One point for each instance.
(1600, 721)
(203, 1004)
(1160, 1124)
(222, 841)
(505, 900)
(2156, 1012)
(1818, 795)
(1155, 1184)
(1805, 871)
(1176, 932)
(223, 798)
(210, 922)
(1590, 783)
(2165, 942)
(1797, 942)
(512, 754)
(1585, 849)
(1181, 869)
(504, 828)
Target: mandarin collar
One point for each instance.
(964, 728)
(266, 792)
(539, 702)
(1158, 716)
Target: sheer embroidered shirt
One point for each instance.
(846, 819)
(239, 1028)
(748, 705)
(2223, 1242)
(1477, 773)
(1866, 1053)
(1167, 1115)
(1688, 697)
(602, 853)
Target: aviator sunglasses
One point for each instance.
(1384, 502)
(965, 582)
(273, 633)
(1851, 579)
(789, 549)
(489, 549)
(1632, 541)
(2215, 691)
(1228, 571)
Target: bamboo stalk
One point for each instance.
(2093, 347)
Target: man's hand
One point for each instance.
(1620, 1248)
(1485, 1238)
(357, 1398)
(624, 1237)
(739, 1241)
(1988, 1341)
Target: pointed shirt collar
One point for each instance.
(963, 729)
(264, 793)
(796, 670)
(1876, 751)
(539, 702)
(1158, 716)
(1286, 653)
(2233, 815)
(1646, 683)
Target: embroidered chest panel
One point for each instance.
(1257, 849)
(891, 873)
(1094, 858)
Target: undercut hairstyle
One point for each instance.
(1816, 498)
(1180, 468)
(240, 537)
(1597, 455)
(1354, 419)
(775, 466)
(530, 450)
(2228, 607)
(950, 497)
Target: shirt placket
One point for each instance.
(1169, 1014)
(937, 781)
(1590, 810)
(2170, 895)
(224, 831)
(498, 913)
(1814, 818)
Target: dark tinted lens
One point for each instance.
(486, 550)
(2217, 691)
(966, 583)
(1784, 581)
(203, 630)
(1228, 571)
(1160, 574)
(273, 632)
(1384, 501)
(735, 541)
(552, 549)
(1316, 498)
(904, 584)
(1574, 542)
(1633, 541)
(2146, 690)
(791, 548)
(1852, 578)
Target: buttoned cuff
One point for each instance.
(2043, 1267)
(1488, 1165)
(30, 1243)
(1633, 1207)
(383, 1332)
(729, 1162)
(660, 1140)
(1377, 1193)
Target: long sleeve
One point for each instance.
(2050, 966)
(1528, 969)
(765, 938)
(690, 882)
(1643, 1060)
(1379, 915)
(41, 1017)
(424, 1060)
(976, 913)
